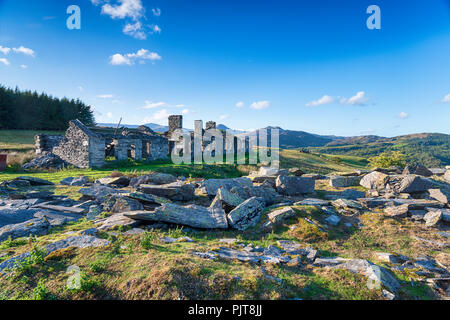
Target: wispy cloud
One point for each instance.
(130, 58)
(105, 96)
(402, 115)
(152, 105)
(446, 99)
(156, 12)
(260, 105)
(224, 116)
(4, 61)
(359, 99)
(159, 117)
(26, 51)
(324, 100)
(133, 12)
(5, 50)
(240, 104)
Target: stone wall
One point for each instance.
(46, 143)
(75, 146)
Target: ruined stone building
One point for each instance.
(87, 147)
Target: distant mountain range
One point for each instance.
(432, 149)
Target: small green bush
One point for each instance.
(388, 159)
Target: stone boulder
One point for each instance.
(192, 215)
(280, 215)
(98, 192)
(227, 200)
(397, 211)
(267, 193)
(177, 191)
(418, 170)
(78, 181)
(124, 204)
(442, 195)
(344, 181)
(147, 198)
(211, 186)
(24, 229)
(45, 161)
(352, 194)
(122, 181)
(118, 219)
(414, 184)
(447, 175)
(374, 180)
(294, 186)
(247, 214)
(432, 218)
(154, 178)
(35, 181)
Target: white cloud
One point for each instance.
(359, 99)
(118, 59)
(240, 104)
(133, 12)
(151, 105)
(130, 58)
(109, 115)
(135, 30)
(126, 9)
(403, 115)
(26, 51)
(4, 61)
(80, 88)
(224, 116)
(5, 50)
(156, 12)
(259, 105)
(322, 101)
(24, 66)
(180, 105)
(105, 96)
(446, 98)
(185, 112)
(159, 117)
(155, 28)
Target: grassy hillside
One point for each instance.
(430, 149)
(21, 140)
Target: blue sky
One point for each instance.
(301, 65)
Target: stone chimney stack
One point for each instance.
(175, 122)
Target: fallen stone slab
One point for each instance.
(98, 192)
(432, 218)
(24, 229)
(344, 181)
(177, 191)
(147, 198)
(173, 240)
(192, 215)
(61, 208)
(14, 215)
(153, 178)
(376, 202)
(73, 241)
(268, 194)
(118, 219)
(118, 204)
(374, 180)
(75, 181)
(418, 170)
(296, 172)
(414, 184)
(397, 211)
(315, 176)
(442, 195)
(390, 258)
(122, 181)
(347, 204)
(35, 181)
(211, 186)
(294, 186)
(227, 200)
(281, 215)
(57, 218)
(333, 220)
(247, 214)
(313, 202)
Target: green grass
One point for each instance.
(21, 140)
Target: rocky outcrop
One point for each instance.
(177, 191)
(374, 180)
(442, 195)
(280, 215)
(294, 186)
(98, 192)
(78, 181)
(35, 226)
(344, 181)
(154, 178)
(418, 170)
(191, 215)
(247, 214)
(211, 186)
(414, 183)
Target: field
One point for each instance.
(143, 267)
